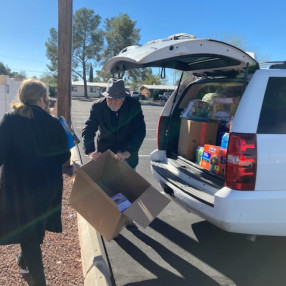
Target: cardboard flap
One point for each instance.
(147, 207)
(90, 201)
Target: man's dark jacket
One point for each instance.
(32, 151)
(119, 131)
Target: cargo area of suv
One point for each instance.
(213, 153)
(195, 130)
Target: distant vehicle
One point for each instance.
(135, 94)
(165, 96)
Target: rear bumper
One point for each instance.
(249, 212)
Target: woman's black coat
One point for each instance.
(32, 152)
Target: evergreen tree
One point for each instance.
(87, 43)
(91, 74)
(52, 52)
(120, 32)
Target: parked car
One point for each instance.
(165, 96)
(221, 136)
(135, 94)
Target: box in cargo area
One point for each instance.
(214, 159)
(195, 133)
(96, 182)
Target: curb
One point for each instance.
(95, 267)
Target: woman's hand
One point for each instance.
(121, 156)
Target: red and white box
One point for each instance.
(214, 158)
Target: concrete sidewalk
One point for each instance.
(95, 267)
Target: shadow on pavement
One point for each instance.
(244, 262)
(189, 273)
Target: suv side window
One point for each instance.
(273, 112)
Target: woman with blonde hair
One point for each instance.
(33, 148)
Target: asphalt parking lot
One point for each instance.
(180, 248)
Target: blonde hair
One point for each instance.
(29, 93)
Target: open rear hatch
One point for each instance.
(201, 57)
(186, 53)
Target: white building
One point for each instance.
(93, 88)
(8, 93)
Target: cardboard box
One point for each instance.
(96, 182)
(214, 159)
(194, 134)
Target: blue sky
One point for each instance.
(24, 25)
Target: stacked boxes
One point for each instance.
(194, 134)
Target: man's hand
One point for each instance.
(122, 156)
(94, 155)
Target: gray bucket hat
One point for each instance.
(115, 89)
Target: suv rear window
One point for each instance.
(273, 112)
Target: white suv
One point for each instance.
(221, 135)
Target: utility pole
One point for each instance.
(65, 11)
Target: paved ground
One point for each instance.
(179, 248)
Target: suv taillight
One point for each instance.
(161, 132)
(241, 161)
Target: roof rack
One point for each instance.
(179, 36)
(274, 64)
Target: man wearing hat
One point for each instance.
(119, 121)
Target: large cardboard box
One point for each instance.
(97, 181)
(195, 133)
